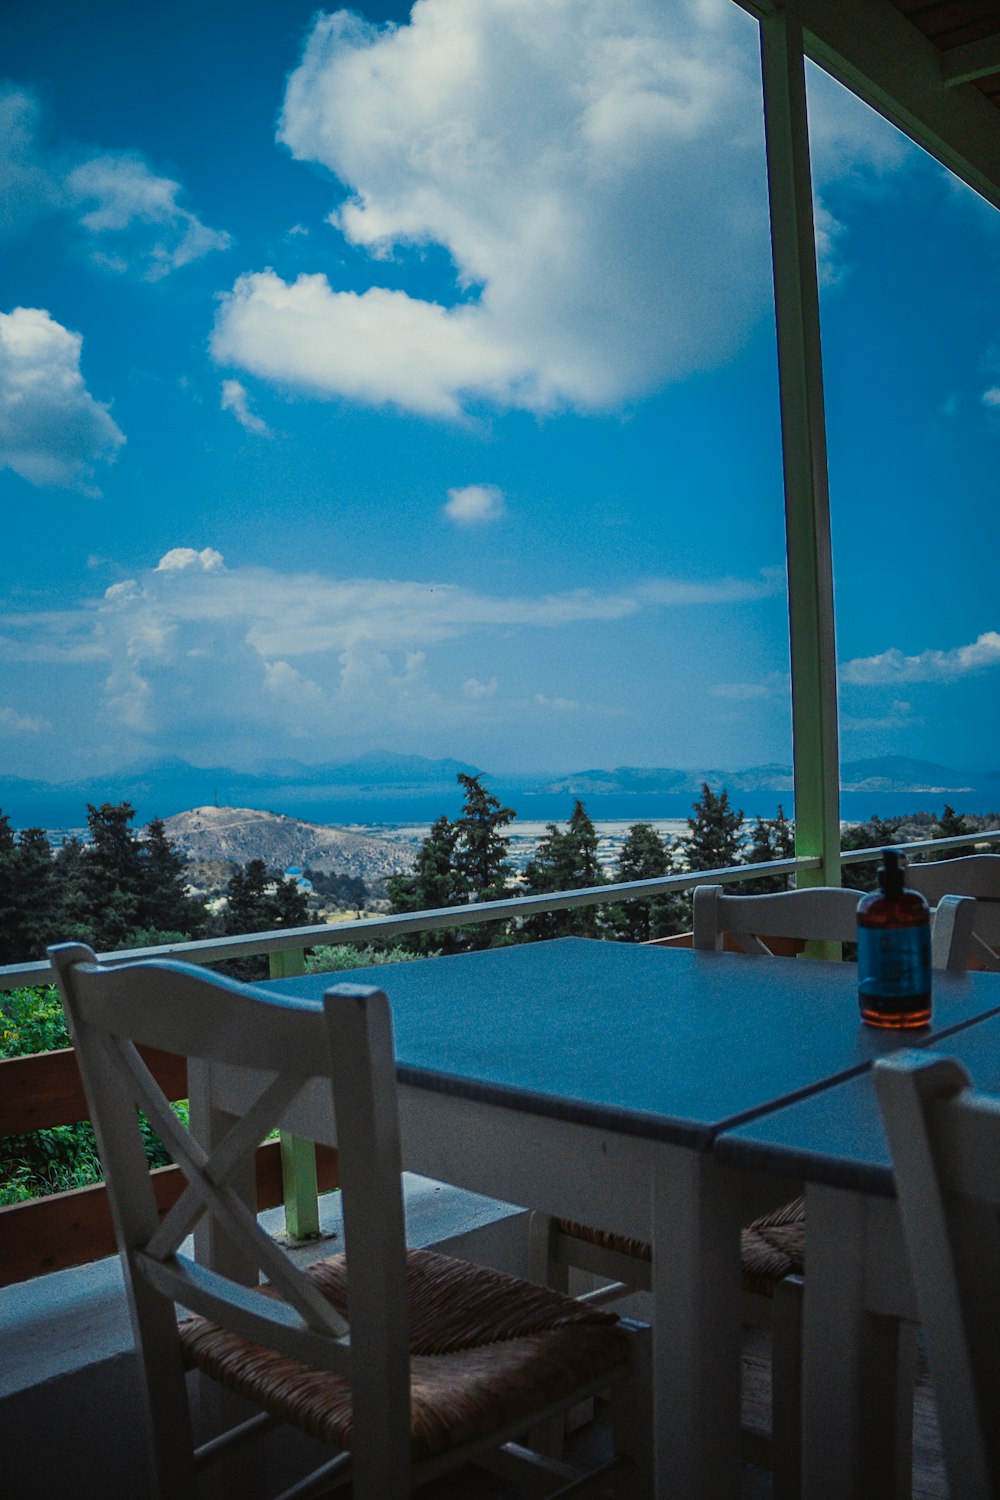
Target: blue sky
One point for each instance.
(385, 380)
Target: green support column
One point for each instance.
(803, 430)
(298, 1157)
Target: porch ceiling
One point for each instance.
(932, 67)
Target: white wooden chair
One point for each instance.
(975, 875)
(439, 1361)
(945, 1144)
(772, 1248)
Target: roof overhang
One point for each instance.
(927, 91)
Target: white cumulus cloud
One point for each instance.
(475, 505)
(934, 665)
(199, 653)
(594, 171)
(570, 159)
(179, 559)
(52, 430)
(236, 400)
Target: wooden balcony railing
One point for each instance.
(73, 1227)
(41, 1091)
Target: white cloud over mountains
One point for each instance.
(129, 216)
(52, 431)
(594, 171)
(193, 650)
(933, 665)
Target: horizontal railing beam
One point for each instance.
(921, 846)
(74, 1227)
(246, 945)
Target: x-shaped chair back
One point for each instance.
(346, 1041)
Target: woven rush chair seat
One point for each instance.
(408, 1365)
(771, 1248)
(481, 1343)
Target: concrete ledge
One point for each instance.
(71, 1401)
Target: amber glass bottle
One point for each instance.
(894, 950)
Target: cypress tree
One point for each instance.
(643, 856)
(715, 840)
(565, 860)
(770, 838)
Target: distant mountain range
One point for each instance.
(384, 787)
(888, 773)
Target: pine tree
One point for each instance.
(770, 838)
(104, 899)
(167, 907)
(248, 907)
(565, 860)
(10, 914)
(459, 862)
(715, 840)
(643, 856)
(38, 894)
(289, 903)
(875, 834)
(480, 858)
(260, 900)
(432, 884)
(951, 825)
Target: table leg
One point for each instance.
(857, 1362)
(696, 1327)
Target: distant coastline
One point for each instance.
(384, 789)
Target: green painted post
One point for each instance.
(298, 1157)
(803, 429)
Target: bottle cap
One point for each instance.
(890, 873)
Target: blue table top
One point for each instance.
(835, 1136)
(665, 1043)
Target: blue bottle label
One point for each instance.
(894, 962)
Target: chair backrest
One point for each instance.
(346, 1042)
(825, 913)
(975, 875)
(945, 1145)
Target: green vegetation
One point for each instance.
(715, 838)
(459, 862)
(118, 890)
(64, 1156)
(343, 956)
(565, 861)
(343, 890)
(644, 856)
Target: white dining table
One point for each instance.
(590, 1080)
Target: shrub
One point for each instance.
(341, 956)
